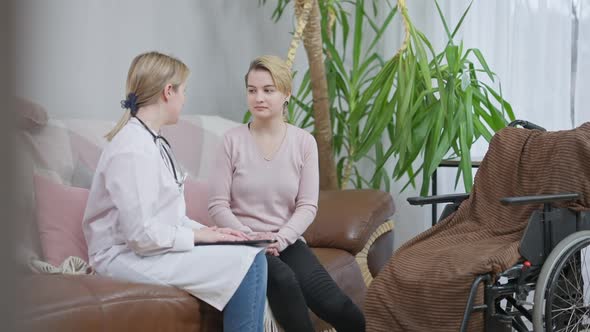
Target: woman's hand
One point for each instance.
(214, 234)
(272, 248)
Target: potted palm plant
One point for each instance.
(420, 105)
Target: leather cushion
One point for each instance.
(97, 303)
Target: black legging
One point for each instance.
(297, 280)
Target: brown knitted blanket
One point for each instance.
(425, 285)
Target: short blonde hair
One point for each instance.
(148, 75)
(278, 69)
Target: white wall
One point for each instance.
(582, 97)
(73, 55)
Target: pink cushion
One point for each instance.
(60, 210)
(196, 196)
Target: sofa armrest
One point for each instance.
(376, 252)
(347, 218)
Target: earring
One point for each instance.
(286, 103)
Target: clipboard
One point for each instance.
(238, 243)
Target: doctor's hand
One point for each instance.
(214, 234)
(233, 232)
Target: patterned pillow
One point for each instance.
(30, 115)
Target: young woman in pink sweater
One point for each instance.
(265, 183)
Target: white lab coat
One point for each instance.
(136, 226)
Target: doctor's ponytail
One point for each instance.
(148, 75)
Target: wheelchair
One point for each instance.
(549, 288)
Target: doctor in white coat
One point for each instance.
(135, 221)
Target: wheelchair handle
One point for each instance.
(526, 124)
(523, 200)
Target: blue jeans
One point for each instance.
(245, 310)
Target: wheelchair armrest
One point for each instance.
(450, 198)
(523, 200)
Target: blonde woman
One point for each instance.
(265, 184)
(135, 222)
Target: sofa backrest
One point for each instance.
(63, 148)
(195, 139)
(67, 152)
(68, 149)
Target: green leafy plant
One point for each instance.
(418, 105)
(441, 105)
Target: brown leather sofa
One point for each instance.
(351, 236)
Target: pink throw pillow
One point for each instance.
(60, 210)
(196, 197)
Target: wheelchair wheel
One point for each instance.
(559, 303)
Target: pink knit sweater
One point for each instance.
(252, 194)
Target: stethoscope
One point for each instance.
(168, 155)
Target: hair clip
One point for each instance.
(130, 103)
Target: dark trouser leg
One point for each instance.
(285, 297)
(321, 293)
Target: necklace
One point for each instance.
(275, 149)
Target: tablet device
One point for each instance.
(245, 242)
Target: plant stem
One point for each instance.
(347, 169)
(401, 4)
(302, 19)
(312, 40)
